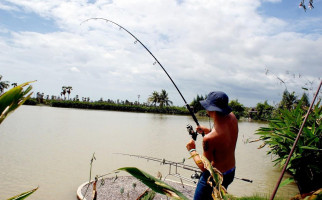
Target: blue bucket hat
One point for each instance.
(217, 101)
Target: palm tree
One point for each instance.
(68, 89)
(154, 98)
(14, 84)
(64, 88)
(3, 85)
(164, 99)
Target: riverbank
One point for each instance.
(112, 106)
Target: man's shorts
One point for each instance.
(203, 190)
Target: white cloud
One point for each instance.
(74, 69)
(8, 7)
(204, 45)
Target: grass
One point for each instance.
(254, 197)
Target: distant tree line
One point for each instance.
(262, 111)
(121, 107)
(160, 103)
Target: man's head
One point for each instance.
(217, 101)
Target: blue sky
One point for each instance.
(22, 21)
(206, 45)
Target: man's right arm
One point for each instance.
(202, 129)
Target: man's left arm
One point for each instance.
(191, 147)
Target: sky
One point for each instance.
(243, 48)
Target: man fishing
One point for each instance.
(218, 143)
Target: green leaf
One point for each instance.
(286, 182)
(23, 195)
(311, 148)
(154, 183)
(13, 98)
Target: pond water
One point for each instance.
(52, 148)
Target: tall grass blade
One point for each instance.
(154, 183)
(23, 195)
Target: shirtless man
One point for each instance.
(218, 144)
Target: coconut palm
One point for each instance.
(154, 98)
(164, 99)
(3, 85)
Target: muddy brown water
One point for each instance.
(52, 147)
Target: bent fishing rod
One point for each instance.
(163, 161)
(189, 128)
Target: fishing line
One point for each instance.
(156, 61)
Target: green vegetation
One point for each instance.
(162, 99)
(12, 99)
(306, 161)
(120, 107)
(262, 111)
(238, 108)
(195, 104)
(155, 184)
(160, 103)
(289, 100)
(23, 195)
(3, 85)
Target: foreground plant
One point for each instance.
(215, 180)
(13, 98)
(154, 183)
(23, 195)
(306, 161)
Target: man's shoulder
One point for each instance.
(211, 137)
(232, 116)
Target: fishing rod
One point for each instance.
(176, 165)
(163, 161)
(190, 131)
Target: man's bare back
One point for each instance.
(219, 145)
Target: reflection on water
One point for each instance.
(52, 148)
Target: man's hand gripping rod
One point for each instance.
(190, 130)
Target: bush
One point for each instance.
(31, 101)
(306, 161)
(238, 108)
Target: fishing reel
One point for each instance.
(196, 175)
(191, 132)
